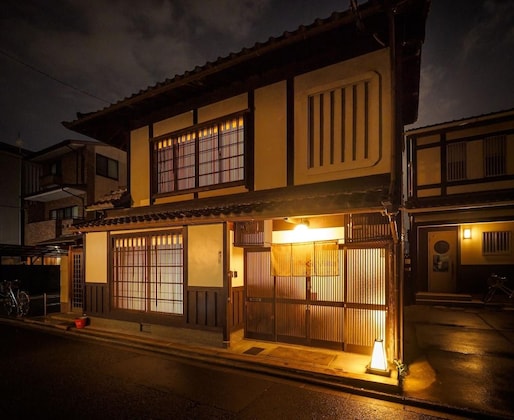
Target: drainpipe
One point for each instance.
(395, 185)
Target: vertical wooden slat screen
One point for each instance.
(366, 296)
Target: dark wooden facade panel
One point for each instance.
(96, 299)
(204, 307)
(237, 320)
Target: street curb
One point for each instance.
(235, 361)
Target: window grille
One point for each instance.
(326, 116)
(495, 156)
(366, 227)
(496, 243)
(456, 161)
(148, 273)
(202, 156)
(343, 125)
(249, 233)
(77, 281)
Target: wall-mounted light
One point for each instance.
(466, 233)
(302, 226)
(378, 364)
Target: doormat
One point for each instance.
(253, 350)
(304, 356)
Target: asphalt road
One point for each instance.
(461, 357)
(48, 375)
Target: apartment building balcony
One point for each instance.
(57, 192)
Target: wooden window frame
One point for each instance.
(177, 164)
(103, 169)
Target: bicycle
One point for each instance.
(14, 299)
(496, 284)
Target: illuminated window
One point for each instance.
(148, 273)
(496, 243)
(207, 155)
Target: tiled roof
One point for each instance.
(484, 118)
(486, 199)
(248, 206)
(341, 36)
(113, 199)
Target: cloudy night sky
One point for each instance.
(60, 57)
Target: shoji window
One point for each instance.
(148, 272)
(206, 155)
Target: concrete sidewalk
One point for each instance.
(435, 337)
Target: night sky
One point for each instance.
(60, 57)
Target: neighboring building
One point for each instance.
(14, 168)
(460, 202)
(226, 159)
(11, 210)
(69, 176)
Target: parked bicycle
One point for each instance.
(14, 300)
(497, 284)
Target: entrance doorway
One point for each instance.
(347, 311)
(442, 260)
(77, 280)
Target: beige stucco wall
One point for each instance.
(270, 137)
(429, 166)
(140, 167)
(205, 255)
(369, 73)
(65, 281)
(96, 253)
(471, 249)
(236, 262)
(169, 125)
(222, 108)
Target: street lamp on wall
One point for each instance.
(466, 233)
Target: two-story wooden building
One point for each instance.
(227, 163)
(460, 203)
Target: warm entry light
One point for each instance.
(302, 226)
(378, 364)
(466, 233)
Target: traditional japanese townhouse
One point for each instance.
(65, 178)
(460, 205)
(304, 130)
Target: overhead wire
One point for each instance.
(49, 76)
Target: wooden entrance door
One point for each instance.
(344, 311)
(442, 259)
